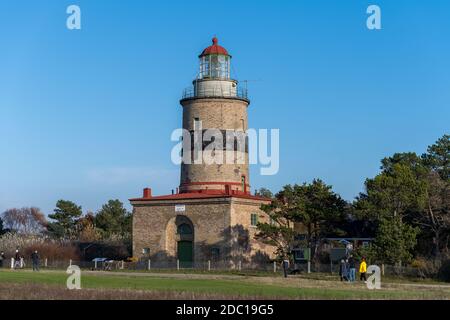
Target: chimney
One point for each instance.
(147, 193)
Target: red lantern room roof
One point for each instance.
(214, 49)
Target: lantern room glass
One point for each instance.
(215, 66)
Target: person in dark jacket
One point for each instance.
(343, 270)
(352, 268)
(285, 267)
(17, 260)
(35, 259)
(2, 258)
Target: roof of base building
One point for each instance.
(199, 195)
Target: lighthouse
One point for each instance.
(213, 216)
(216, 102)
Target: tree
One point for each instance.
(25, 220)
(323, 212)
(2, 230)
(409, 159)
(65, 215)
(417, 190)
(264, 192)
(438, 157)
(435, 218)
(395, 241)
(396, 191)
(279, 231)
(113, 218)
(86, 230)
(314, 207)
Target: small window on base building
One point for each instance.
(254, 220)
(215, 253)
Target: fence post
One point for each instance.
(12, 263)
(239, 265)
(382, 269)
(45, 263)
(21, 263)
(274, 267)
(149, 264)
(331, 266)
(121, 266)
(70, 262)
(178, 264)
(95, 265)
(309, 266)
(209, 265)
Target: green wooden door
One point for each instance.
(185, 255)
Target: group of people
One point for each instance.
(19, 260)
(347, 269)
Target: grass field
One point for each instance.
(25, 284)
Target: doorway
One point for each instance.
(185, 255)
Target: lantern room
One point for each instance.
(214, 62)
(213, 78)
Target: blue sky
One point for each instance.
(87, 115)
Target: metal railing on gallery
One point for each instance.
(236, 92)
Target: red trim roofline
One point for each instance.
(198, 195)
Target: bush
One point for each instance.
(444, 271)
(425, 268)
(46, 247)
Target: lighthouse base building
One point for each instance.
(212, 216)
(199, 227)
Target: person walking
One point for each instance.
(352, 268)
(363, 270)
(35, 259)
(343, 272)
(285, 267)
(2, 258)
(17, 259)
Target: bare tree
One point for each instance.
(25, 220)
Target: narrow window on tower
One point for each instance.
(181, 152)
(243, 183)
(197, 124)
(254, 220)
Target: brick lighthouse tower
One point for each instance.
(216, 102)
(212, 216)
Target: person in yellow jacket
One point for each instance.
(363, 269)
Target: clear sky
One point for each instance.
(86, 115)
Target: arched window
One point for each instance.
(184, 229)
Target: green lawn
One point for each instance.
(247, 286)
